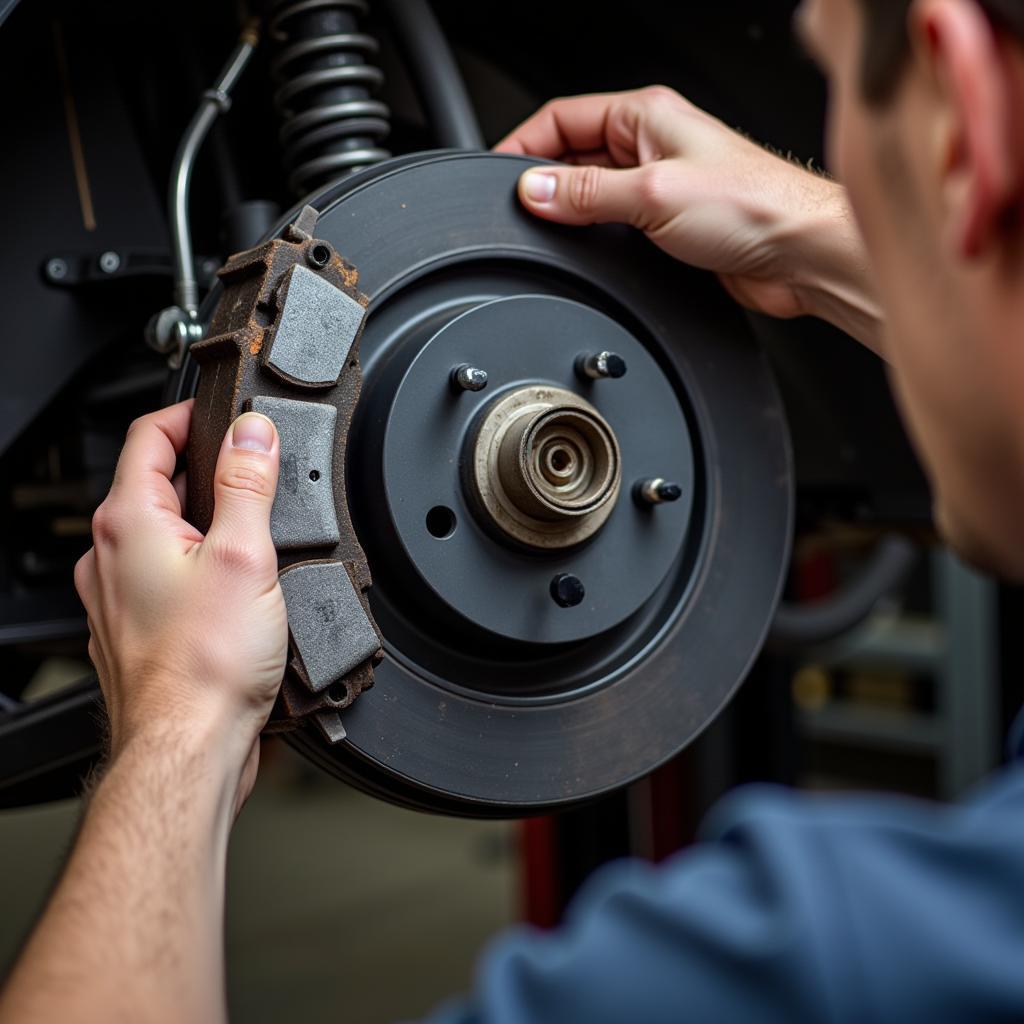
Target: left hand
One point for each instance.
(188, 633)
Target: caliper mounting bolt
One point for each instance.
(601, 366)
(56, 269)
(468, 378)
(567, 590)
(110, 262)
(657, 491)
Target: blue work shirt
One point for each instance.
(791, 908)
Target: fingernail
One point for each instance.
(253, 431)
(539, 187)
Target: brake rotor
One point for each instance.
(551, 631)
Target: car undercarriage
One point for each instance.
(541, 493)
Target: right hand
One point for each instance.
(702, 192)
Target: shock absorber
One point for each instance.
(330, 122)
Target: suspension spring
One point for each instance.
(330, 122)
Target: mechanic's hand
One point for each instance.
(189, 633)
(702, 192)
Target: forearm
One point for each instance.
(831, 274)
(134, 928)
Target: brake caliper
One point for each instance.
(284, 341)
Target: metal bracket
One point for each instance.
(284, 341)
(79, 269)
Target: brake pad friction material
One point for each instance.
(284, 341)
(328, 623)
(315, 331)
(303, 514)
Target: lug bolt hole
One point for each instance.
(314, 475)
(441, 522)
(567, 590)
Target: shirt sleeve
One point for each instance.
(791, 909)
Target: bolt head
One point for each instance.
(110, 262)
(567, 591)
(469, 378)
(612, 366)
(56, 269)
(601, 366)
(657, 491)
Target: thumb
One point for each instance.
(583, 195)
(244, 485)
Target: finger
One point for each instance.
(597, 157)
(148, 459)
(584, 195)
(244, 485)
(577, 124)
(180, 484)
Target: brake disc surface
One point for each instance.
(494, 698)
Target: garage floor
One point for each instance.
(339, 906)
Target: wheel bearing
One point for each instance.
(546, 467)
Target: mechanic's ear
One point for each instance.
(975, 78)
(244, 485)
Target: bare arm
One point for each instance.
(134, 930)
(188, 638)
(781, 239)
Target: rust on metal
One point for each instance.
(232, 372)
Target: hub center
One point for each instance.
(546, 468)
(494, 493)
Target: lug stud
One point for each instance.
(567, 590)
(601, 366)
(468, 378)
(657, 491)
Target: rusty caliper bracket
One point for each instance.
(284, 341)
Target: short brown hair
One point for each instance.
(887, 45)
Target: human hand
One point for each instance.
(188, 633)
(780, 238)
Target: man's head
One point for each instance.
(926, 129)
(886, 38)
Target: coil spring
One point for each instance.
(330, 124)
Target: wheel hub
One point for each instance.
(546, 468)
(492, 459)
